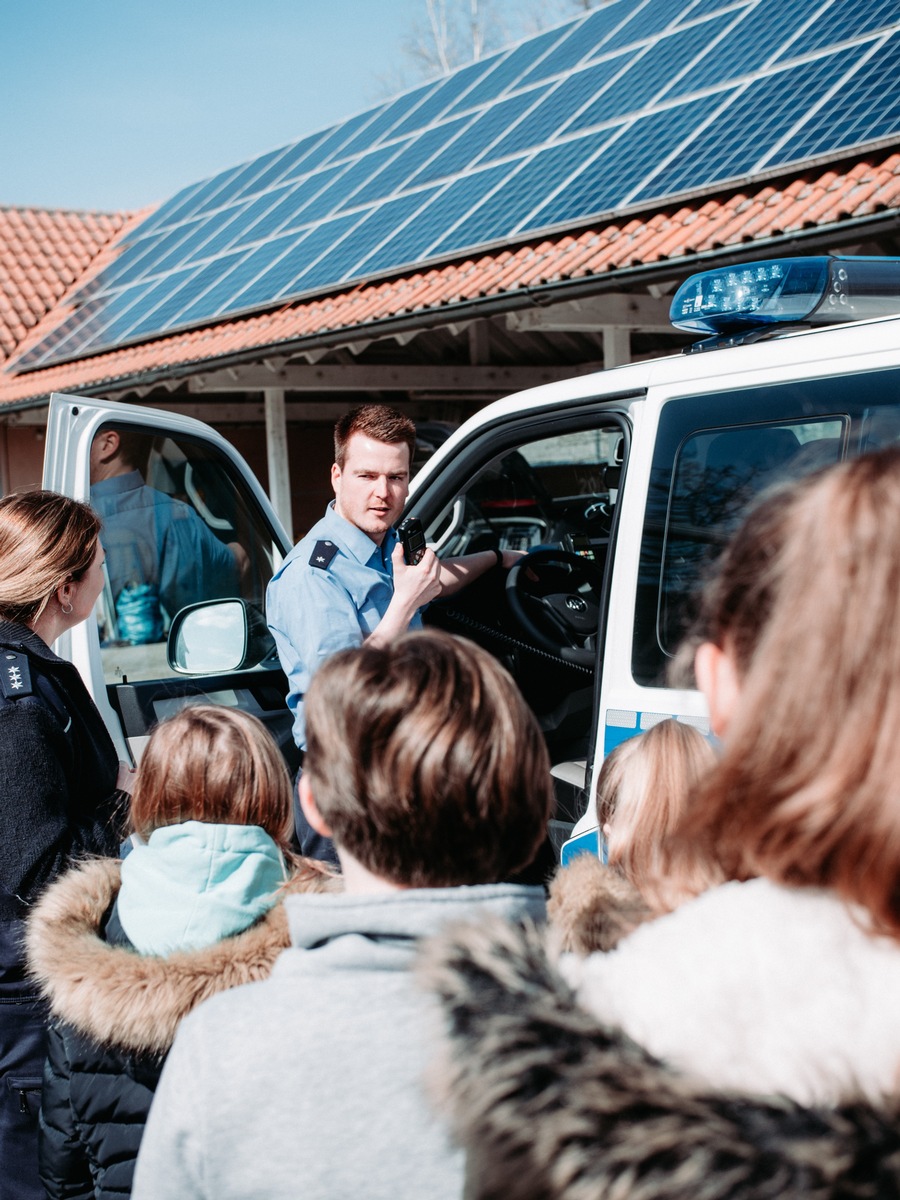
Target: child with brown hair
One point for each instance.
(124, 950)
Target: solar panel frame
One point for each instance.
(480, 136)
(244, 278)
(410, 166)
(416, 240)
(519, 191)
(646, 20)
(639, 82)
(504, 73)
(850, 18)
(754, 48)
(629, 158)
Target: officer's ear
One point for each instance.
(310, 810)
(107, 442)
(335, 476)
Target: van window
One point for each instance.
(717, 475)
(716, 453)
(557, 492)
(179, 527)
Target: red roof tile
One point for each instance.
(42, 253)
(670, 236)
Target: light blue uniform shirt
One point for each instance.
(152, 538)
(314, 611)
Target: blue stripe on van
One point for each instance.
(622, 724)
(585, 843)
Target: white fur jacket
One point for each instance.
(551, 1104)
(114, 1014)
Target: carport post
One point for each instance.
(616, 346)
(277, 457)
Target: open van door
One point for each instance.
(185, 522)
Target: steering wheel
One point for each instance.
(554, 596)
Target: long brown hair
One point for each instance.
(644, 787)
(212, 764)
(45, 540)
(806, 600)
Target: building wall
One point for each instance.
(21, 457)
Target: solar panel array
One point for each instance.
(637, 102)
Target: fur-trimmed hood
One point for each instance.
(551, 1105)
(130, 1001)
(592, 907)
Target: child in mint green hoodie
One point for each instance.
(123, 951)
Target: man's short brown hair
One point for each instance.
(376, 421)
(426, 763)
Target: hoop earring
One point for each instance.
(66, 611)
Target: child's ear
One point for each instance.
(310, 811)
(717, 679)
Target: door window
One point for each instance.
(714, 455)
(555, 491)
(718, 473)
(179, 527)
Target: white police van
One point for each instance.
(620, 485)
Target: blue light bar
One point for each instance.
(787, 291)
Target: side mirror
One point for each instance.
(218, 636)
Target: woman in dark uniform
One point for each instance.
(62, 787)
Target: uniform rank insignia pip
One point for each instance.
(323, 553)
(15, 676)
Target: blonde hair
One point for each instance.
(46, 540)
(426, 763)
(212, 764)
(644, 786)
(806, 600)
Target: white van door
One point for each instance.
(185, 521)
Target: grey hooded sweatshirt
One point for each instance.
(311, 1083)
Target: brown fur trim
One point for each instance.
(592, 907)
(133, 1001)
(550, 1104)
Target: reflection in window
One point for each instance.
(717, 475)
(178, 529)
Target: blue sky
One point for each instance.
(114, 104)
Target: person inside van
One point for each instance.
(160, 555)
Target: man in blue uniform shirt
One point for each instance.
(346, 581)
(160, 555)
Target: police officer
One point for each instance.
(62, 787)
(346, 581)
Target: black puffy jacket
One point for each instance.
(58, 771)
(114, 1017)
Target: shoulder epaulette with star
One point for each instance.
(323, 553)
(15, 675)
